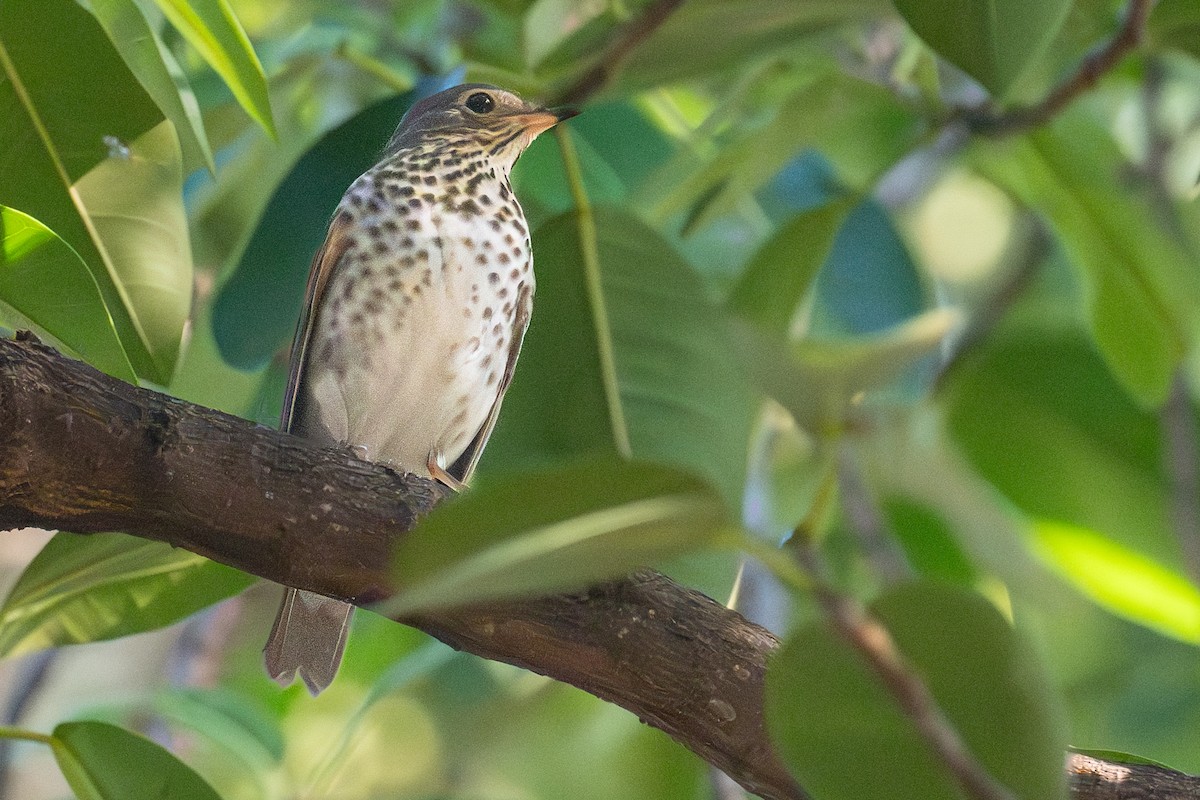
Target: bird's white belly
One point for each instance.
(419, 378)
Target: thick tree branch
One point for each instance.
(85, 452)
(81, 451)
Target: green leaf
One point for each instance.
(1122, 580)
(1176, 24)
(1037, 400)
(993, 41)
(135, 204)
(213, 29)
(1141, 285)
(45, 283)
(682, 395)
(256, 310)
(104, 762)
(56, 115)
(705, 36)
(91, 588)
(818, 382)
(928, 540)
(550, 531)
(155, 66)
(816, 115)
(781, 273)
(844, 737)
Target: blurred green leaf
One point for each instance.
(213, 29)
(1036, 401)
(557, 32)
(928, 540)
(56, 116)
(45, 283)
(817, 114)
(544, 532)
(818, 381)
(92, 588)
(1176, 24)
(135, 205)
(229, 719)
(706, 36)
(683, 398)
(104, 762)
(1142, 285)
(1122, 580)
(256, 310)
(993, 41)
(843, 736)
(155, 66)
(782, 272)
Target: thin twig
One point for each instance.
(631, 35)
(875, 644)
(1093, 67)
(1182, 464)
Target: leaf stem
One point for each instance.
(590, 252)
(25, 735)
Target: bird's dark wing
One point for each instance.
(324, 262)
(466, 463)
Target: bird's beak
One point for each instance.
(544, 119)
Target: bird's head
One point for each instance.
(479, 117)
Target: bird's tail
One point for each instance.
(308, 638)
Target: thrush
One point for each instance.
(416, 308)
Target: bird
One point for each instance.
(416, 308)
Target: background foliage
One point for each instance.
(803, 254)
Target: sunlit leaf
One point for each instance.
(213, 29)
(135, 205)
(1122, 580)
(59, 117)
(1142, 287)
(544, 532)
(45, 283)
(104, 762)
(993, 41)
(156, 68)
(91, 588)
(845, 738)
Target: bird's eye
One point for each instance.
(481, 102)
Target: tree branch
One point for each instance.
(85, 452)
(1095, 66)
(606, 65)
(82, 451)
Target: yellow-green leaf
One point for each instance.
(213, 29)
(1121, 580)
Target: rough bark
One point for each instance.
(82, 451)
